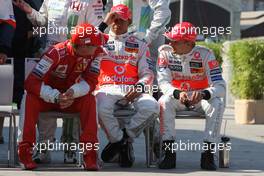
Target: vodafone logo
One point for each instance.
(197, 55)
(118, 9)
(119, 79)
(162, 62)
(119, 69)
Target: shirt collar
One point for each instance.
(184, 56)
(118, 37)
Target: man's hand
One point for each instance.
(110, 18)
(66, 99)
(129, 97)
(135, 92)
(23, 6)
(196, 97)
(69, 93)
(184, 99)
(122, 102)
(3, 58)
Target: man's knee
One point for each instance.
(217, 102)
(104, 108)
(88, 98)
(148, 104)
(30, 99)
(215, 105)
(166, 101)
(153, 107)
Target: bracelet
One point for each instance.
(176, 94)
(102, 26)
(140, 86)
(206, 94)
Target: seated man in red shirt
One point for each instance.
(63, 81)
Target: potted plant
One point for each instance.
(216, 48)
(247, 58)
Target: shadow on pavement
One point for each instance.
(247, 156)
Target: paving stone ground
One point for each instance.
(247, 154)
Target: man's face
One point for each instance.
(182, 47)
(85, 50)
(120, 26)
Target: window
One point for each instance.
(259, 5)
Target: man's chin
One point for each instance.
(117, 31)
(84, 55)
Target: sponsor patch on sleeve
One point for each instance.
(148, 54)
(213, 64)
(162, 63)
(42, 67)
(150, 64)
(215, 71)
(95, 66)
(94, 70)
(216, 78)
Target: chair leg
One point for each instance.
(160, 148)
(12, 141)
(9, 141)
(11, 152)
(151, 160)
(15, 140)
(152, 143)
(147, 147)
(80, 159)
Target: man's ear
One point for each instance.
(191, 44)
